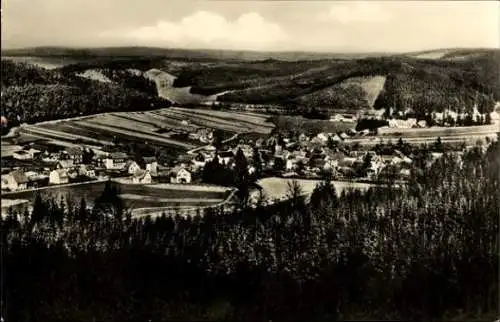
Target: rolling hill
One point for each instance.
(421, 82)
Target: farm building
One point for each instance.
(180, 175)
(142, 176)
(58, 176)
(15, 181)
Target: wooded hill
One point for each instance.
(33, 94)
(458, 79)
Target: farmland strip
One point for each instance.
(138, 134)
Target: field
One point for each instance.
(455, 135)
(134, 196)
(278, 188)
(157, 127)
(301, 124)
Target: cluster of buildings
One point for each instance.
(303, 156)
(74, 164)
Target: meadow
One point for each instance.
(133, 195)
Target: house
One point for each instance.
(151, 165)
(323, 137)
(291, 163)
(225, 156)
(58, 176)
(75, 154)
(22, 155)
(422, 123)
(405, 173)
(49, 157)
(180, 175)
(15, 181)
(347, 162)
(495, 117)
(303, 137)
(115, 161)
(142, 176)
(344, 136)
(330, 165)
(87, 171)
(132, 167)
(336, 138)
(35, 179)
(259, 142)
(65, 164)
(395, 123)
(245, 148)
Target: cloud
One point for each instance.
(356, 12)
(208, 29)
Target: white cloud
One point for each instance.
(356, 12)
(208, 29)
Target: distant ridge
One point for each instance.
(173, 53)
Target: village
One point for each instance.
(289, 155)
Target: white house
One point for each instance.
(395, 123)
(181, 175)
(14, 181)
(225, 156)
(115, 161)
(330, 164)
(151, 165)
(88, 171)
(75, 154)
(323, 137)
(142, 176)
(495, 117)
(65, 164)
(132, 167)
(23, 155)
(201, 159)
(58, 176)
(344, 135)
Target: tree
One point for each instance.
(240, 167)
(279, 164)
(487, 118)
(257, 162)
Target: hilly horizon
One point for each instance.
(131, 51)
(417, 83)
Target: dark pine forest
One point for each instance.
(426, 251)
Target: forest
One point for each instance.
(425, 251)
(33, 94)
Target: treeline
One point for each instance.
(421, 252)
(32, 94)
(422, 93)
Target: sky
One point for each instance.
(321, 26)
